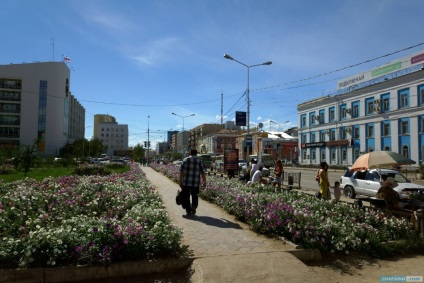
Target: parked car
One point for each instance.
(241, 163)
(368, 183)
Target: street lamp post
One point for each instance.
(148, 136)
(183, 123)
(279, 124)
(248, 87)
(183, 118)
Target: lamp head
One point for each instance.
(228, 57)
(267, 63)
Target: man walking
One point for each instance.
(191, 170)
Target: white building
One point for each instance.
(380, 109)
(111, 134)
(36, 104)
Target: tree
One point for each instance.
(96, 147)
(138, 152)
(25, 158)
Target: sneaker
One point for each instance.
(193, 210)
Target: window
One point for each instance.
(313, 138)
(385, 104)
(386, 129)
(313, 155)
(404, 127)
(370, 131)
(403, 101)
(343, 112)
(356, 153)
(323, 155)
(321, 117)
(333, 154)
(304, 154)
(355, 111)
(332, 135)
(370, 107)
(332, 115)
(403, 96)
(422, 125)
(322, 136)
(355, 132)
(421, 95)
(344, 133)
(344, 154)
(405, 151)
(303, 121)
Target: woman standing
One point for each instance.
(324, 184)
(278, 171)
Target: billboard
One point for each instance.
(240, 118)
(231, 159)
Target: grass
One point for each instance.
(40, 173)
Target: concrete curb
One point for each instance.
(83, 273)
(310, 255)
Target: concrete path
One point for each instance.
(225, 250)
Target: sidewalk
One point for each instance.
(224, 249)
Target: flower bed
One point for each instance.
(305, 220)
(84, 220)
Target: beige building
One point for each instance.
(36, 104)
(110, 133)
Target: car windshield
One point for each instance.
(399, 178)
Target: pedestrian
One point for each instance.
(192, 172)
(257, 177)
(337, 191)
(324, 184)
(279, 172)
(387, 193)
(253, 168)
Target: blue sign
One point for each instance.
(248, 140)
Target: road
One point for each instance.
(308, 183)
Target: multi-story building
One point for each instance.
(111, 134)
(380, 109)
(36, 105)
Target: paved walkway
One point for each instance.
(225, 250)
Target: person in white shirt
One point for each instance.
(254, 168)
(257, 177)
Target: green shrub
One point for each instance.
(86, 170)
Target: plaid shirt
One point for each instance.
(192, 167)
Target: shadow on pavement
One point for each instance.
(221, 223)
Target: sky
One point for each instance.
(142, 60)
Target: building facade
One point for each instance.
(112, 135)
(380, 109)
(36, 105)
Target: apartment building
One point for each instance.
(380, 109)
(110, 133)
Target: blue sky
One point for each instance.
(137, 58)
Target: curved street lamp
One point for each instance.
(183, 118)
(272, 121)
(248, 87)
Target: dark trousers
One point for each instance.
(194, 191)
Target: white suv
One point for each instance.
(368, 183)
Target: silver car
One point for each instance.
(368, 183)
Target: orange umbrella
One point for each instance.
(380, 159)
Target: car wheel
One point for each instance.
(349, 192)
